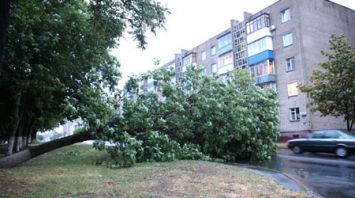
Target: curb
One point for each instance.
(304, 188)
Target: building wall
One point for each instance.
(198, 50)
(281, 53)
(319, 20)
(312, 23)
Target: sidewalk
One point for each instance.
(282, 179)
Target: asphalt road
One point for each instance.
(324, 174)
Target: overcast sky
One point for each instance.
(190, 23)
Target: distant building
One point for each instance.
(63, 130)
(281, 46)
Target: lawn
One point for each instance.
(281, 145)
(72, 172)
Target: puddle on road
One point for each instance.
(326, 179)
(306, 169)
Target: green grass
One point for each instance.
(72, 172)
(281, 145)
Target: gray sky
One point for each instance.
(190, 23)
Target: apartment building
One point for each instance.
(281, 46)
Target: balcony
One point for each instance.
(225, 69)
(264, 32)
(268, 54)
(265, 79)
(225, 49)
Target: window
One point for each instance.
(205, 71)
(317, 134)
(189, 59)
(287, 40)
(292, 89)
(260, 46)
(225, 60)
(225, 40)
(203, 55)
(269, 86)
(213, 50)
(295, 114)
(332, 134)
(214, 68)
(263, 68)
(225, 63)
(290, 64)
(285, 15)
(258, 23)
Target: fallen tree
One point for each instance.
(56, 64)
(31, 152)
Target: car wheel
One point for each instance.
(297, 149)
(341, 152)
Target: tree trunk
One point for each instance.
(14, 126)
(10, 145)
(24, 141)
(33, 135)
(26, 132)
(19, 146)
(29, 131)
(349, 124)
(20, 157)
(19, 133)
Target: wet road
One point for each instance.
(324, 174)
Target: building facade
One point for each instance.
(281, 46)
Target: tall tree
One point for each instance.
(57, 64)
(4, 18)
(332, 89)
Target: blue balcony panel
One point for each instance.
(224, 49)
(266, 79)
(268, 54)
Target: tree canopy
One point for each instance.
(199, 114)
(57, 65)
(332, 88)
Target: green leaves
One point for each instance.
(333, 88)
(200, 116)
(57, 57)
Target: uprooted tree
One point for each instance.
(197, 117)
(332, 89)
(56, 65)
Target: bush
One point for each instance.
(151, 147)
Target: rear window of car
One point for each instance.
(332, 134)
(349, 135)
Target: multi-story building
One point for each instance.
(281, 45)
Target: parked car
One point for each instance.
(327, 141)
